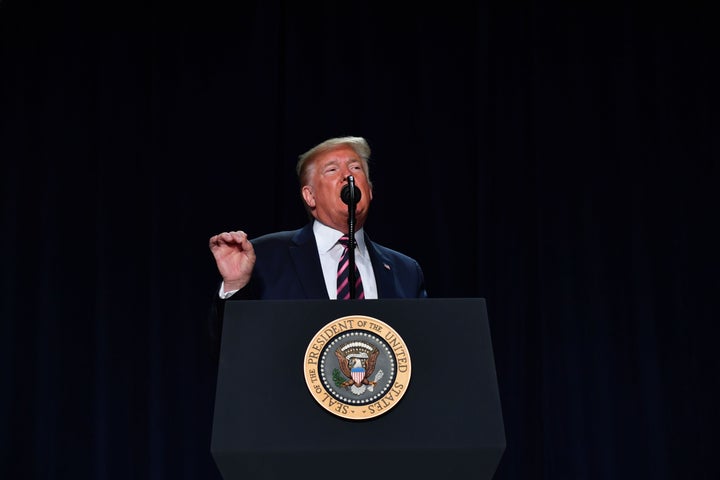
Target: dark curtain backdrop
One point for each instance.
(560, 160)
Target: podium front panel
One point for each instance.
(268, 425)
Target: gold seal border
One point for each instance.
(343, 325)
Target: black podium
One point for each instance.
(267, 425)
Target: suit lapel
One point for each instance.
(383, 269)
(303, 251)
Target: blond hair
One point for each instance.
(358, 144)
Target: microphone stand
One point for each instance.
(351, 235)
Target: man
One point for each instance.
(303, 264)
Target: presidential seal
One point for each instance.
(357, 367)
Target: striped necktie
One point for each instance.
(343, 274)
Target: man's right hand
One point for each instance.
(234, 257)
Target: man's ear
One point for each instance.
(308, 196)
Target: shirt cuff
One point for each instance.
(225, 295)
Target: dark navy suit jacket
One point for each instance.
(287, 267)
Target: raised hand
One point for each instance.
(235, 258)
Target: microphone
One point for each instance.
(350, 194)
(345, 192)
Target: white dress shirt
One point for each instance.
(330, 251)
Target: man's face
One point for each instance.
(327, 176)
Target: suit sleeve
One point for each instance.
(217, 313)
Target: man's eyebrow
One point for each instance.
(337, 161)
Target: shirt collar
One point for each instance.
(327, 238)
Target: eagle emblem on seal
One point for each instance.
(357, 363)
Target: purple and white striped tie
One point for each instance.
(343, 275)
